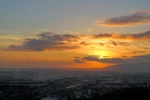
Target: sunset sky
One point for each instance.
(74, 33)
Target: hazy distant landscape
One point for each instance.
(54, 84)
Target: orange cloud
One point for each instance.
(108, 49)
(95, 58)
(139, 36)
(85, 44)
(137, 18)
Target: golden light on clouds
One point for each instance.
(94, 50)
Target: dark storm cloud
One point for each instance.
(136, 18)
(48, 41)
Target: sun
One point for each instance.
(101, 54)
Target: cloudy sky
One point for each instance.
(74, 33)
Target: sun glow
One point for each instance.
(101, 54)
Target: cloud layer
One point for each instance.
(51, 41)
(134, 59)
(137, 18)
(139, 36)
(48, 41)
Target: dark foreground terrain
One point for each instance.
(135, 93)
(21, 92)
(48, 84)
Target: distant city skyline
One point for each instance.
(74, 33)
